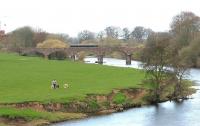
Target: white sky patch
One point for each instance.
(73, 16)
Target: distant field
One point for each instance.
(29, 79)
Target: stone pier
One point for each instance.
(73, 57)
(100, 59)
(128, 59)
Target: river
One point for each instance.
(186, 113)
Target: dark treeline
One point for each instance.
(30, 37)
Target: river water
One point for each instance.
(186, 113)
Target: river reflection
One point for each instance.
(186, 113)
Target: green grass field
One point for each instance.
(30, 114)
(24, 79)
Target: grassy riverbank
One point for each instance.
(26, 97)
(26, 79)
(12, 116)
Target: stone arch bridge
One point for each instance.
(73, 50)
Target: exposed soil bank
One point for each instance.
(118, 99)
(94, 104)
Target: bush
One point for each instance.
(93, 105)
(119, 98)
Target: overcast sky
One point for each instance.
(73, 16)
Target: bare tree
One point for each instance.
(85, 35)
(126, 34)
(39, 36)
(185, 26)
(138, 33)
(101, 35)
(155, 58)
(22, 37)
(113, 32)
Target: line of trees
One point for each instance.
(29, 37)
(184, 34)
(138, 34)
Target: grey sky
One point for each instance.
(72, 16)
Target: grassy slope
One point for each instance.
(29, 79)
(30, 114)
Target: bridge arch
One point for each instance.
(32, 53)
(58, 55)
(100, 52)
(125, 52)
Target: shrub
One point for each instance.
(93, 105)
(119, 98)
